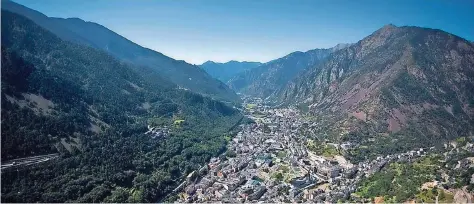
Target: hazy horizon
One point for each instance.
(256, 31)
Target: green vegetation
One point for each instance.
(400, 181)
(227, 138)
(102, 39)
(411, 89)
(278, 176)
(318, 148)
(329, 151)
(281, 154)
(230, 153)
(462, 177)
(117, 164)
(384, 144)
(388, 97)
(461, 141)
(178, 122)
(429, 196)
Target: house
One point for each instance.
(221, 174)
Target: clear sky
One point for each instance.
(257, 30)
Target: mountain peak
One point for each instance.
(386, 29)
(378, 38)
(389, 26)
(208, 62)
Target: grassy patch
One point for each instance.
(322, 149)
(330, 151)
(178, 122)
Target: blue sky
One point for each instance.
(257, 30)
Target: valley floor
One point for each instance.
(272, 161)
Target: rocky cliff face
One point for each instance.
(400, 83)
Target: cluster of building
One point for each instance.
(158, 132)
(272, 164)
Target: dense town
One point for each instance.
(271, 163)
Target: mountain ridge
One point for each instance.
(98, 36)
(397, 81)
(230, 61)
(271, 76)
(227, 70)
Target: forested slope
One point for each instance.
(63, 97)
(94, 35)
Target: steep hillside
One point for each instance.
(66, 98)
(97, 36)
(225, 71)
(265, 79)
(399, 88)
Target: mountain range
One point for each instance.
(227, 70)
(81, 91)
(267, 78)
(97, 36)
